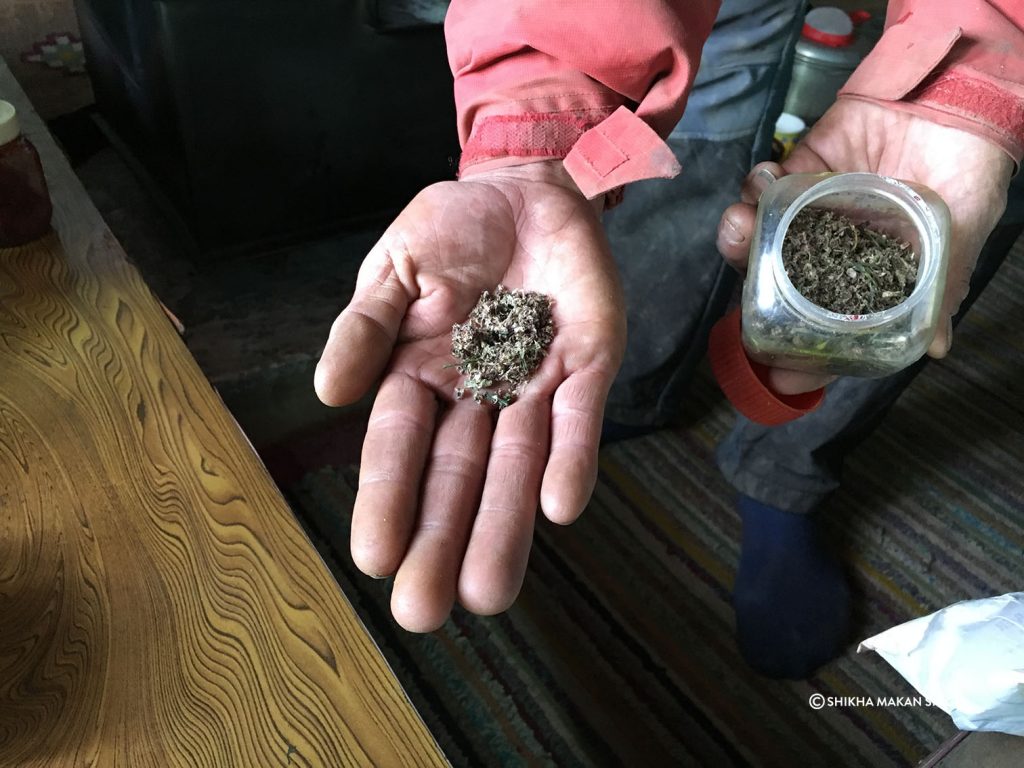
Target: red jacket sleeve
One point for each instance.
(960, 64)
(598, 82)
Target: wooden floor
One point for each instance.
(159, 604)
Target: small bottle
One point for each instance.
(830, 47)
(25, 207)
(784, 329)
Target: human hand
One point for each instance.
(969, 173)
(447, 492)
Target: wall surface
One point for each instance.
(39, 41)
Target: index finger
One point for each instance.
(736, 226)
(734, 232)
(761, 176)
(398, 438)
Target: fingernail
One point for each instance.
(761, 180)
(764, 177)
(730, 233)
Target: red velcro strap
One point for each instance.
(970, 97)
(744, 381)
(621, 149)
(535, 134)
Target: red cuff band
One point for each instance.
(975, 99)
(538, 134)
(744, 381)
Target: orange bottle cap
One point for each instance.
(745, 381)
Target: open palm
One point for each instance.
(448, 491)
(969, 173)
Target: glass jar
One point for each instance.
(783, 328)
(25, 207)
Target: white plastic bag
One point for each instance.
(967, 659)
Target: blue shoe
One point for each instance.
(791, 598)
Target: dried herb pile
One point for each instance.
(502, 343)
(846, 267)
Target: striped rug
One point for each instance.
(620, 649)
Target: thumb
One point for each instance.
(363, 336)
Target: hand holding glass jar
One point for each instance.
(782, 327)
(968, 173)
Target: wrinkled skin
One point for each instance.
(447, 492)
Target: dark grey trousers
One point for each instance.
(677, 286)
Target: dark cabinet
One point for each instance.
(268, 120)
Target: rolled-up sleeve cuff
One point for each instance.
(601, 151)
(527, 136)
(946, 75)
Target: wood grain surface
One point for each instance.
(159, 604)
